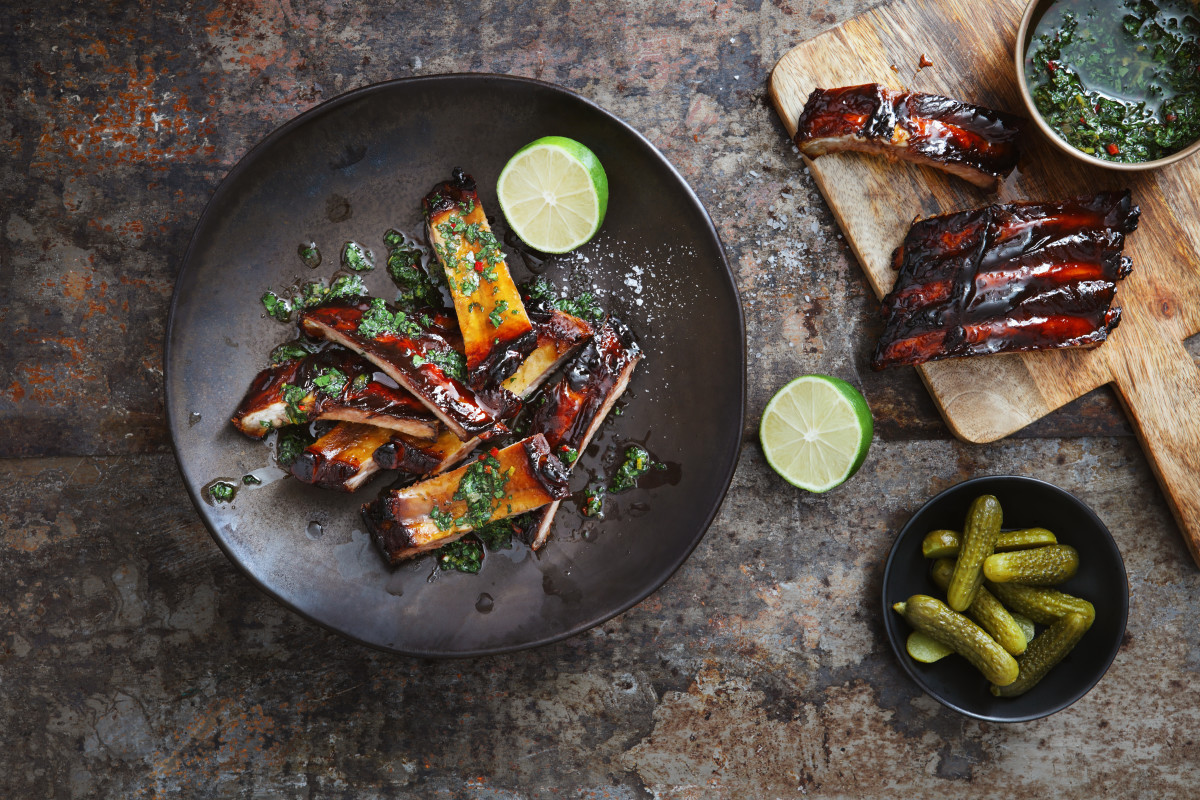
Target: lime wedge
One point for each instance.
(816, 431)
(553, 193)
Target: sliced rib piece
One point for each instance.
(970, 141)
(497, 334)
(409, 521)
(343, 458)
(558, 335)
(577, 405)
(413, 356)
(1004, 278)
(334, 384)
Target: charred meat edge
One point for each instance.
(976, 143)
(406, 360)
(493, 352)
(577, 405)
(1008, 278)
(401, 521)
(375, 402)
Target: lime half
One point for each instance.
(816, 431)
(553, 193)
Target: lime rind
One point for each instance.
(554, 194)
(816, 432)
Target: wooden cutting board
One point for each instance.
(970, 44)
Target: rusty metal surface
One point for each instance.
(136, 662)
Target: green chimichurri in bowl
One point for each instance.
(1114, 81)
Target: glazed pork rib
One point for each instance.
(337, 461)
(1005, 278)
(334, 384)
(497, 333)
(970, 141)
(409, 521)
(344, 458)
(413, 356)
(577, 405)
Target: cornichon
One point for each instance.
(1041, 566)
(985, 609)
(980, 530)
(1046, 650)
(945, 544)
(1044, 606)
(936, 620)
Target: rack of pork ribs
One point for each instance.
(399, 407)
(1007, 278)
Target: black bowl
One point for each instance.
(1027, 503)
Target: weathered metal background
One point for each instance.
(135, 661)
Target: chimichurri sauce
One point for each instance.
(1119, 79)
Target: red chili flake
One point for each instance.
(479, 266)
(1171, 118)
(925, 61)
(1052, 66)
(1082, 121)
(495, 452)
(1112, 149)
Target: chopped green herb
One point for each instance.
(498, 535)
(360, 382)
(443, 519)
(468, 283)
(452, 362)
(585, 306)
(357, 257)
(277, 307)
(346, 286)
(309, 254)
(291, 350)
(465, 555)
(393, 238)
(290, 443)
(637, 463)
(467, 206)
(222, 491)
(417, 288)
(377, 320)
(250, 480)
(311, 294)
(481, 487)
(593, 501)
(331, 381)
(497, 315)
(294, 396)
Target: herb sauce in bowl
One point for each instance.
(1118, 79)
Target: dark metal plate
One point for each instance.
(349, 170)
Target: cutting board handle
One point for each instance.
(1161, 391)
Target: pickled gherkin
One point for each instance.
(945, 544)
(1045, 651)
(986, 610)
(1044, 606)
(1041, 566)
(936, 620)
(980, 530)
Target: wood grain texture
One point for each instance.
(875, 201)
